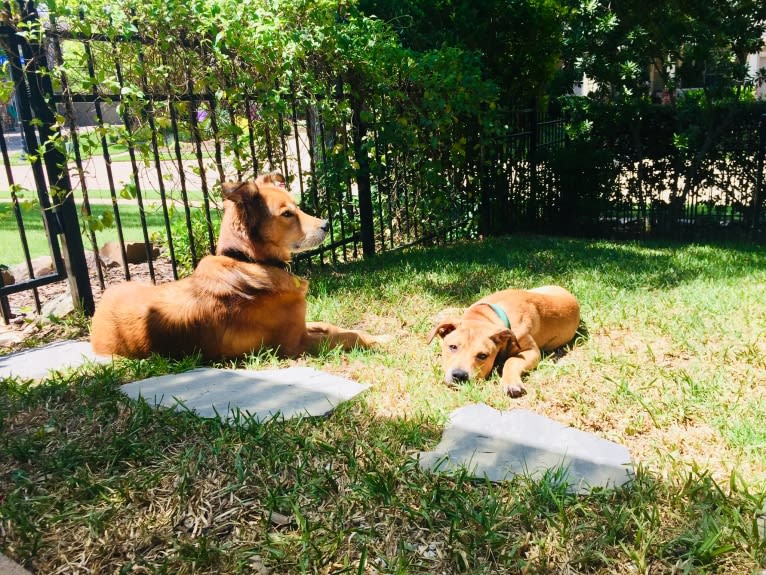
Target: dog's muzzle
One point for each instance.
(458, 376)
(313, 239)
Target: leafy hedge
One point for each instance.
(662, 168)
(239, 72)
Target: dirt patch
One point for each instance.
(27, 324)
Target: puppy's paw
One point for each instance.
(514, 390)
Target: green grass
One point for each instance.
(671, 363)
(11, 251)
(117, 153)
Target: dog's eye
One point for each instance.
(452, 347)
(287, 214)
(482, 356)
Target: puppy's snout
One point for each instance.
(459, 375)
(324, 226)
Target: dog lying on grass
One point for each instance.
(237, 301)
(507, 329)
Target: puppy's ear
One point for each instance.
(238, 191)
(444, 328)
(503, 336)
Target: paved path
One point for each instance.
(254, 395)
(8, 567)
(37, 363)
(486, 442)
(497, 445)
(96, 175)
(257, 395)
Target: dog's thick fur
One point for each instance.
(239, 300)
(543, 318)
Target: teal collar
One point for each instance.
(500, 313)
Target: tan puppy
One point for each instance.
(508, 329)
(239, 300)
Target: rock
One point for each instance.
(8, 278)
(278, 519)
(42, 266)
(258, 567)
(60, 306)
(499, 444)
(8, 567)
(257, 395)
(36, 363)
(91, 260)
(135, 252)
(9, 337)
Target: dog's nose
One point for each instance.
(325, 226)
(459, 375)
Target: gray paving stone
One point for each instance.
(8, 567)
(262, 395)
(499, 444)
(36, 363)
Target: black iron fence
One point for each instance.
(111, 157)
(110, 165)
(692, 171)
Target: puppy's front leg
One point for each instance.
(320, 334)
(519, 364)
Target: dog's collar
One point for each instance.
(274, 264)
(500, 313)
(241, 256)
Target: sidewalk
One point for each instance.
(8, 567)
(96, 175)
(96, 178)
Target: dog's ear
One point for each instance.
(273, 178)
(503, 336)
(444, 328)
(238, 191)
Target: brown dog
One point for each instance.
(508, 329)
(239, 300)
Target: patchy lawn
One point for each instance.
(671, 362)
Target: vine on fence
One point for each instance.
(248, 74)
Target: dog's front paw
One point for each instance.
(514, 390)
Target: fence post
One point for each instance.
(40, 92)
(534, 184)
(364, 187)
(758, 194)
(485, 203)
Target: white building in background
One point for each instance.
(756, 62)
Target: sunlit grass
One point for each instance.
(671, 363)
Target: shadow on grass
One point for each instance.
(581, 336)
(459, 273)
(91, 477)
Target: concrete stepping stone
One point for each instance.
(37, 362)
(500, 444)
(262, 395)
(8, 567)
